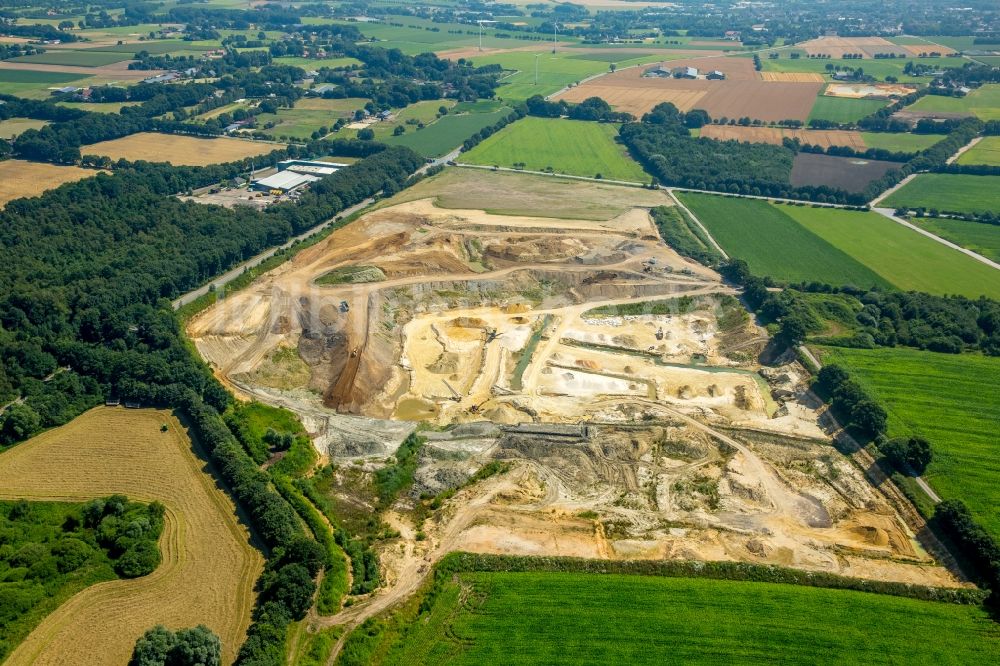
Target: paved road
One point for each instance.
(236, 271)
(891, 214)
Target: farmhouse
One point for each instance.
(715, 75)
(318, 91)
(685, 72)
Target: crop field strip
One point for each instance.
(751, 229)
(446, 133)
(574, 147)
(178, 150)
(948, 192)
(949, 399)
(842, 109)
(986, 151)
(27, 179)
(569, 618)
(983, 102)
(901, 256)
(209, 567)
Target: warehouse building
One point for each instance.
(313, 168)
(284, 182)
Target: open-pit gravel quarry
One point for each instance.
(621, 382)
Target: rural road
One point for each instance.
(891, 214)
(238, 270)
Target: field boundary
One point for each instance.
(459, 561)
(701, 226)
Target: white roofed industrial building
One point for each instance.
(286, 181)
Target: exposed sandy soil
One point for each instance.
(209, 567)
(178, 150)
(631, 431)
(867, 90)
(774, 135)
(29, 179)
(743, 93)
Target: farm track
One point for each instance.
(209, 567)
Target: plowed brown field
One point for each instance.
(209, 567)
(743, 93)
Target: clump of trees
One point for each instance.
(198, 646)
(851, 401)
(908, 454)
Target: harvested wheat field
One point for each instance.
(208, 569)
(29, 179)
(774, 135)
(836, 47)
(178, 150)
(741, 94)
(793, 77)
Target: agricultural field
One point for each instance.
(178, 150)
(447, 133)
(573, 147)
(959, 193)
(74, 58)
(35, 84)
(983, 102)
(940, 397)
(570, 618)
(29, 179)
(851, 174)
(899, 142)
(976, 236)
(555, 71)
(209, 567)
(510, 193)
(986, 151)
(901, 256)
(419, 35)
(775, 135)
(308, 115)
(877, 68)
(11, 127)
(98, 107)
(843, 109)
(749, 229)
(316, 63)
(743, 93)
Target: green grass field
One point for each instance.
(447, 133)
(313, 63)
(573, 147)
(34, 84)
(419, 35)
(308, 115)
(987, 152)
(949, 399)
(569, 618)
(949, 192)
(900, 142)
(555, 70)
(75, 58)
(773, 244)
(842, 109)
(975, 236)
(901, 256)
(983, 102)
